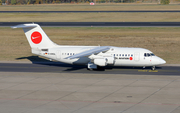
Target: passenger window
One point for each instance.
(132, 55)
(116, 54)
(126, 55)
(122, 54)
(119, 54)
(68, 54)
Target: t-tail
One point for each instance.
(36, 37)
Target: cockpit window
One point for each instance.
(148, 54)
(145, 54)
(152, 54)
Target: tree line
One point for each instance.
(14, 2)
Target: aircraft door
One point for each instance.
(58, 54)
(136, 56)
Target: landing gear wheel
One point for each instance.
(153, 68)
(144, 67)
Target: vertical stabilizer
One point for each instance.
(36, 37)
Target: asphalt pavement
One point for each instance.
(97, 24)
(57, 67)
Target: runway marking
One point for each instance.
(147, 70)
(110, 102)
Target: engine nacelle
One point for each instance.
(110, 60)
(100, 62)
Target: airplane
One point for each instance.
(94, 57)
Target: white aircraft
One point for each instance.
(93, 56)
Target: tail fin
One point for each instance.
(36, 37)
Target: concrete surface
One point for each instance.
(28, 92)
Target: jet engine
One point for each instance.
(110, 60)
(100, 62)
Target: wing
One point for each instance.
(90, 52)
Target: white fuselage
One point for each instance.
(123, 56)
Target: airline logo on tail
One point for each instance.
(36, 37)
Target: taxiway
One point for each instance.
(96, 24)
(57, 67)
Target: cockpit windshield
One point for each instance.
(148, 54)
(152, 54)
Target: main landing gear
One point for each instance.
(92, 66)
(153, 67)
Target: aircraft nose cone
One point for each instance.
(162, 61)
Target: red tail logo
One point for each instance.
(36, 37)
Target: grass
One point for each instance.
(87, 7)
(89, 17)
(164, 42)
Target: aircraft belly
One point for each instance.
(132, 63)
(127, 63)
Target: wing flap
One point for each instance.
(90, 52)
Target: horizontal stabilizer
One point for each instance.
(90, 52)
(25, 26)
